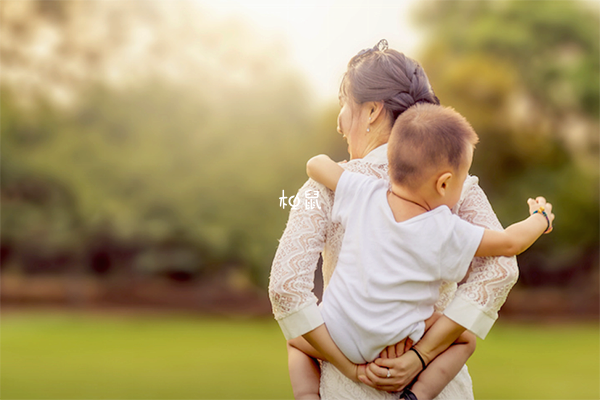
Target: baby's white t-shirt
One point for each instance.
(388, 274)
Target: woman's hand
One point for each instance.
(402, 370)
(404, 365)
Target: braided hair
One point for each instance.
(383, 74)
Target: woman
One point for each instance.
(379, 85)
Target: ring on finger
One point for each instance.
(388, 374)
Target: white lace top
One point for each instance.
(473, 303)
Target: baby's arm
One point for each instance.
(304, 370)
(520, 236)
(324, 170)
(442, 369)
(326, 349)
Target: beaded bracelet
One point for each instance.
(542, 211)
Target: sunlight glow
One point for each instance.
(322, 36)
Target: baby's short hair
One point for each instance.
(424, 138)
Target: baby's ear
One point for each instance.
(441, 183)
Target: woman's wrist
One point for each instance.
(350, 371)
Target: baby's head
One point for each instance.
(430, 152)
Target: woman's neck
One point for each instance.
(373, 146)
(372, 142)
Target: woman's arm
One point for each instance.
(292, 281)
(292, 273)
(484, 290)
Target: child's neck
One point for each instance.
(406, 204)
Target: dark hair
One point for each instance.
(424, 138)
(383, 74)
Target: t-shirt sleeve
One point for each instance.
(352, 188)
(463, 239)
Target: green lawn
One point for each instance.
(68, 356)
(518, 361)
(75, 357)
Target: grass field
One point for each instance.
(71, 356)
(518, 361)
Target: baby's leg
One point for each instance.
(305, 372)
(444, 367)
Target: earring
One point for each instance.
(369, 128)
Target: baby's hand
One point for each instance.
(540, 205)
(361, 370)
(396, 350)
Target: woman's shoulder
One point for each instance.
(471, 182)
(475, 207)
(470, 189)
(366, 168)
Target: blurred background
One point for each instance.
(145, 145)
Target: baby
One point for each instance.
(401, 241)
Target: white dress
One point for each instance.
(473, 303)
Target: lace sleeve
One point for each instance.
(489, 279)
(292, 273)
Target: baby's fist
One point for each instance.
(540, 204)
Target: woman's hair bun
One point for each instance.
(383, 74)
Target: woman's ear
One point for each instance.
(375, 110)
(442, 183)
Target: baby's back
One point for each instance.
(388, 275)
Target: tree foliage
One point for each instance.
(525, 74)
(198, 157)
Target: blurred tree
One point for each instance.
(161, 123)
(525, 74)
